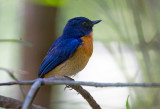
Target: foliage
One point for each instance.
(54, 3)
(127, 103)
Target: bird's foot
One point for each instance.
(67, 86)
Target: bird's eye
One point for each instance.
(85, 24)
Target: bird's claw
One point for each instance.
(67, 86)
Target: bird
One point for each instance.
(70, 53)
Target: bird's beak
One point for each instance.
(96, 21)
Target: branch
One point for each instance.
(16, 41)
(74, 84)
(11, 103)
(31, 94)
(64, 81)
(86, 95)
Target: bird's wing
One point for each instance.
(58, 53)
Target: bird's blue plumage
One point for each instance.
(60, 51)
(65, 46)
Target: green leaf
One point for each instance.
(127, 103)
(55, 3)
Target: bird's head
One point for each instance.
(78, 27)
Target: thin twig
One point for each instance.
(10, 73)
(16, 41)
(86, 95)
(11, 103)
(31, 94)
(64, 81)
(74, 84)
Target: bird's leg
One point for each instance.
(67, 86)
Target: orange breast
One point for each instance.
(77, 62)
(87, 45)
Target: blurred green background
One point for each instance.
(128, 38)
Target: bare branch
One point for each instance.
(64, 81)
(16, 41)
(75, 85)
(86, 95)
(31, 94)
(11, 103)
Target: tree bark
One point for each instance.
(39, 29)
